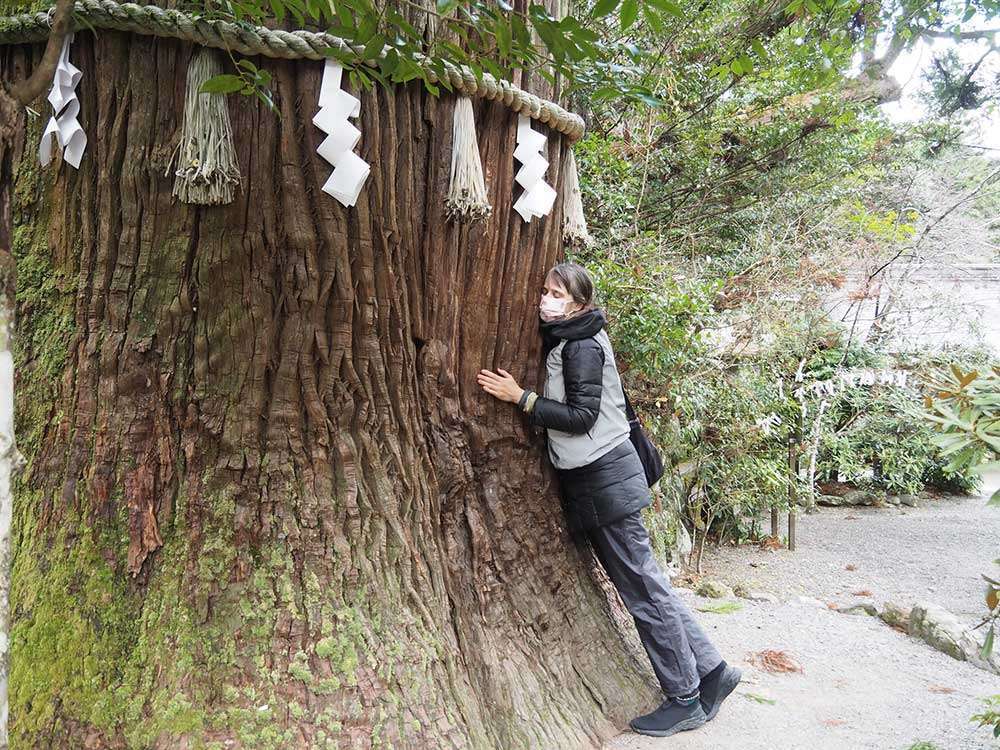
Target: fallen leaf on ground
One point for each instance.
(833, 722)
(850, 566)
(832, 605)
(852, 518)
(941, 689)
(759, 698)
(722, 608)
(771, 660)
(863, 592)
(770, 542)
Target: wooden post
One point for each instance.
(791, 528)
(774, 521)
(794, 438)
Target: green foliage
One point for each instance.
(990, 716)
(952, 86)
(656, 316)
(610, 184)
(8, 7)
(396, 44)
(962, 404)
(887, 226)
(874, 439)
(737, 468)
(709, 312)
(248, 80)
(965, 408)
(613, 51)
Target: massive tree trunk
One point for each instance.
(266, 504)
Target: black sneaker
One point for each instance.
(716, 687)
(671, 717)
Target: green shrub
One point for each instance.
(874, 440)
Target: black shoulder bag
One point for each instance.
(652, 463)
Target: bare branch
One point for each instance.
(28, 90)
(966, 198)
(979, 34)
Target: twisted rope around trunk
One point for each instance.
(258, 40)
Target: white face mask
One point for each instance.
(551, 308)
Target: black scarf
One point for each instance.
(580, 326)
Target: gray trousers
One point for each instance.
(678, 648)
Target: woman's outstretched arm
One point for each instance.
(583, 370)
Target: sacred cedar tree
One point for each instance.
(267, 505)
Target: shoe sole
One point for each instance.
(693, 723)
(727, 684)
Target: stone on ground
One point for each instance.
(895, 616)
(940, 629)
(714, 589)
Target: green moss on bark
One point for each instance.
(45, 295)
(189, 656)
(13, 7)
(70, 636)
(147, 668)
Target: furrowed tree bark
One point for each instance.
(11, 460)
(266, 504)
(13, 95)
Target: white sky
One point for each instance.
(912, 63)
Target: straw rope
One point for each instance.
(207, 170)
(258, 40)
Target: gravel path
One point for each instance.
(935, 552)
(863, 684)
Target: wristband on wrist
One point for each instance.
(524, 397)
(529, 404)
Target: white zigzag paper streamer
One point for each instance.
(349, 170)
(538, 196)
(65, 109)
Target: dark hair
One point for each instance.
(577, 282)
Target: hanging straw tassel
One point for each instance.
(575, 231)
(467, 193)
(207, 170)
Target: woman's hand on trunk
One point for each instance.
(503, 386)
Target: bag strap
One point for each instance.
(630, 414)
